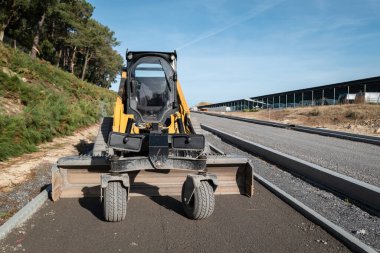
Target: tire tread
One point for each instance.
(115, 202)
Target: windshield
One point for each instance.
(152, 88)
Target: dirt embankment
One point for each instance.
(19, 169)
(353, 118)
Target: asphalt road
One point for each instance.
(354, 159)
(239, 224)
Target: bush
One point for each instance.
(314, 112)
(354, 114)
(251, 110)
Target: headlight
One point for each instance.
(130, 56)
(172, 57)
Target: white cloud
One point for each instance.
(257, 10)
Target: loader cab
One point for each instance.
(151, 86)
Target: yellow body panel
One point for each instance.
(116, 115)
(120, 119)
(184, 108)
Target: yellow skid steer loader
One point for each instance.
(150, 148)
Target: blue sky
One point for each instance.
(230, 49)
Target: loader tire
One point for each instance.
(202, 203)
(115, 202)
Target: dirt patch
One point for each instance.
(353, 118)
(10, 106)
(17, 170)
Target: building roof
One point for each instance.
(358, 82)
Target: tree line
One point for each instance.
(64, 33)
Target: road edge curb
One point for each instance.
(343, 236)
(24, 213)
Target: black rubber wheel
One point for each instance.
(115, 202)
(202, 203)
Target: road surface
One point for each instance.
(239, 224)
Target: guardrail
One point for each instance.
(361, 192)
(330, 133)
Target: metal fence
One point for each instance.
(357, 91)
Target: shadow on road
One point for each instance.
(94, 206)
(169, 203)
(84, 147)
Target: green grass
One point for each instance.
(55, 103)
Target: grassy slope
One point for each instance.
(53, 103)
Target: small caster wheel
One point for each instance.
(202, 203)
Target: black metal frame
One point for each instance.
(158, 146)
(135, 163)
(129, 83)
(134, 142)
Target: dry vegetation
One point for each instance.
(354, 118)
(203, 103)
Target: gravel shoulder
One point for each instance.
(340, 211)
(354, 159)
